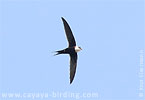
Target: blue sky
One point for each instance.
(110, 32)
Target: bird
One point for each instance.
(72, 49)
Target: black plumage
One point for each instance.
(71, 50)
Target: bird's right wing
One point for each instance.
(73, 65)
(69, 34)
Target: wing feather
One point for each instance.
(69, 34)
(73, 65)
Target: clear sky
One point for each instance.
(110, 32)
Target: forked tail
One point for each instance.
(58, 52)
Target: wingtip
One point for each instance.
(62, 18)
(70, 82)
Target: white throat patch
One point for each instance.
(77, 49)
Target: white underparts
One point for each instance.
(77, 49)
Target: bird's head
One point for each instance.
(77, 48)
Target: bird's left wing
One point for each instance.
(73, 65)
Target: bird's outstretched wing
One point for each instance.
(69, 34)
(73, 65)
